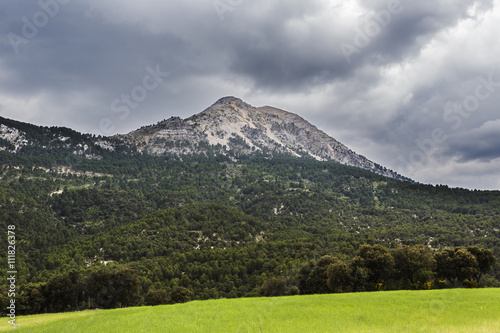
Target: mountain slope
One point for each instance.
(229, 127)
(233, 125)
(89, 209)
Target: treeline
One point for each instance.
(180, 276)
(72, 291)
(101, 289)
(406, 267)
(374, 268)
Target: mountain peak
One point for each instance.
(233, 127)
(230, 103)
(228, 127)
(228, 100)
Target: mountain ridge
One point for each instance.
(90, 209)
(229, 126)
(236, 125)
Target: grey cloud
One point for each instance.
(482, 144)
(266, 56)
(282, 51)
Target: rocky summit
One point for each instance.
(229, 127)
(233, 125)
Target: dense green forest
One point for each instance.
(120, 228)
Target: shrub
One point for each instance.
(180, 295)
(156, 297)
(293, 291)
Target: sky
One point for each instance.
(411, 85)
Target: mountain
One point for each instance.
(233, 125)
(98, 224)
(229, 127)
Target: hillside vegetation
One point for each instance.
(149, 229)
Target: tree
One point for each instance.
(180, 295)
(273, 287)
(445, 265)
(485, 261)
(304, 273)
(126, 284)
(466, 265)
(156, 297)
(456, 265)
(375, 261)
(32, 298)
(413, 263)
(64, 292)
(294, 290)
(98, 288)
(111, 289)
(316, 282)
(359, 277)
(339, 276)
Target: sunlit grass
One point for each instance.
(457, 310)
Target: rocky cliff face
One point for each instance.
(233, 125)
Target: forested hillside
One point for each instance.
(116, 227)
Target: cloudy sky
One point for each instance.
(412, 85)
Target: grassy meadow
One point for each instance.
(451, 310)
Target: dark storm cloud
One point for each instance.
(481, 144)
(72, 52)
(260, 47)
(273, 58)
(380, 101)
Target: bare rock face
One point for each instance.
(233, 125)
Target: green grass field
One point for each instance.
(453, 310)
